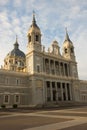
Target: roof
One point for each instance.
(16, 51)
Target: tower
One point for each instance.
(68, 48)
(34, 36)
(34, 62)
(34, 47)
(69, 54)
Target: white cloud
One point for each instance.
(17, 3)
(81, 50)
(3, 2)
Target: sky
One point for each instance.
(52, 16)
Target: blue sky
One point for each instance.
(52, 16)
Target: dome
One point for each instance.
(15, 59)
(55, 43)
(16, 51)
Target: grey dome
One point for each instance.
(16, 51)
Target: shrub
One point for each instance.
(3, 106)
(15, 105)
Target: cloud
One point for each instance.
(81, 50)
(3, 2)
(17, 3)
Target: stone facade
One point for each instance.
(41, 77)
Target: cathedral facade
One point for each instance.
(41, 77)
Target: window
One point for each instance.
(29, 38)
(7, 81)
(72, 50)
(37, 38)
(11, 61)
(17, 98)
(38, 68)
(17, 81)
(65, 50)
(6, 98)
(16, 62)
(6, 63)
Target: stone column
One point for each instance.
(56, 91)
(44, 69)
(66, 92)
(61, 91)
(63, 69)
(45, 91)
(54, 68)
(49, 66)
(51, 91)
(59, 69)
(70, 90)
(68, 70)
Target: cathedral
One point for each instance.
(41, 77)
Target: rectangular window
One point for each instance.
(6, 81)
(17, 81)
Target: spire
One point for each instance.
(16, 39)
(67, 36)
(16, 45)
(33, 21)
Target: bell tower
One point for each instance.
(69, 54)
(68, 48)
(34, 36)
(34, 48)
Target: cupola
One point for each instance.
(15, 59)
(54, 48)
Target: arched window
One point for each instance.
(6, 98)
(16, 98)
(37, 38)
(29, 38)
(38, 68)
(65, 50)
(72, 50)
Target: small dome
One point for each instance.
(16, 51)
(55, 43)
(15, 59)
